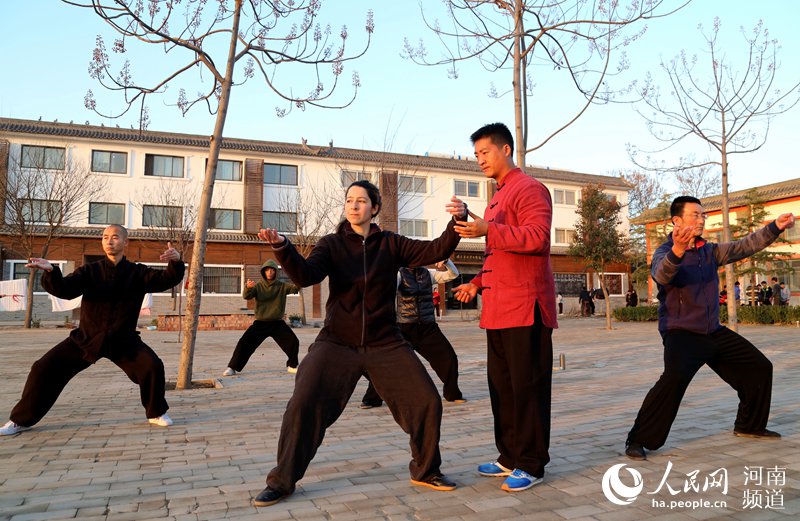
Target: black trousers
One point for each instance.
(51, 373)
(520, 370)
(728, 354)
(259, 331)
(429, 341)
(323, 385)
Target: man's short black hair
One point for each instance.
(498, 133)
(775, 279)
(676, 208)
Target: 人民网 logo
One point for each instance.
(616, 491)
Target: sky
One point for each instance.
(401, 106)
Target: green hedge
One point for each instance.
(637, 314)
(785, 315)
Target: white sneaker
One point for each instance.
(12, 428)
(291, 370)
(229, 372)
(162, 421)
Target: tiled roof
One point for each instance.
(385, 159)
(771, 192)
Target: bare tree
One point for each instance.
(316, 212)
(575, 38)
(263, 36)
(45, 192)
(711, 100)
(646, 191)
(699, 181)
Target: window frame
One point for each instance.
(280, 215)
(149, 165)
(110, 162)
(107, 222)
(467, 184)
(30, 218)
(414, 181)
(414, 223)
(348, 177)
(37, 283)
(566, 232)
(564, 192)
(146, 206)
(208, 273)
(280, 181)
(44, 166)
(231, 161)
(237, 218)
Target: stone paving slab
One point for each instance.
(94, 456)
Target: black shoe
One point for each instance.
(764, 434)
(369, 405)
(268, 497)
(437, 482)
(635, 450)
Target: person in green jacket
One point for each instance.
(270, 295)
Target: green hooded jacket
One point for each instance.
(270, 295)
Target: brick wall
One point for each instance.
(208, 322)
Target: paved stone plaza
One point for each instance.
(94, 456)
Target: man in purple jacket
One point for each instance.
(685, 270)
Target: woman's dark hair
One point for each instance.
(372, 192)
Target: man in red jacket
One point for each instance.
(519, 309)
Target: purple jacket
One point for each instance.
(688, 287)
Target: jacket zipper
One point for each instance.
(364, 297)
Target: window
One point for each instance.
(349, 176)
(281, 221)
(49, 158)
(19, 271)
(612, 282)
(106, 213)
(163, 166)
(413, 184)
(222, 279)
(414, 228)
(109, 162)
(792, 278)
(280, 174)
(228, 170)
(41, 211)
(467, 188)
(564, 236)
(225, 219)
(792, 234)
(564, 197)
(162, 216)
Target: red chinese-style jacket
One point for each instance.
(516, 271)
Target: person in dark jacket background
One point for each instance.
(112, 290)
(685, 270)
(270, 296)
(360, 337)
(417, 321)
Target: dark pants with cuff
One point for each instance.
(520, 370)
(259, 331)
(51, 373)
(324, 384)
(731, 356)
(429, 341)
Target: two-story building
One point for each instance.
(151, 181)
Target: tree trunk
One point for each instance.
(194, 291)
(29, 296)
(519, 86)
(608, 304)
(733, 318)
(302, 307)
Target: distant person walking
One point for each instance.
(112, 290)
(270, 296)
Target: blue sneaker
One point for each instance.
(493, 470)
(519, 480)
